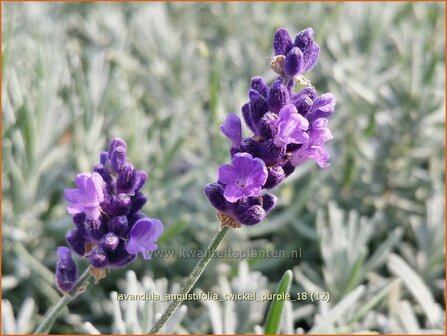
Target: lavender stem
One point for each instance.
(56, 310)
(191, 280)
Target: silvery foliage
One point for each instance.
(138, 316)
(237, 316)
(76, 75)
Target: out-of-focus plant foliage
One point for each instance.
(163, 76)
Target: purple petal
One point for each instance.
(291, 127)
(232, 129)
(233, 193)
(143, 236)
(226, 174)
(322, 107)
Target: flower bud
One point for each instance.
(118, 158)
(76, 241)
(98, 258)
(66, 270)
(214, 192)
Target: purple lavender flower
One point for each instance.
(243, 177)
(143, 236)
(87, 197)
(288, 129)
(110, 229)
(314, 149)
(292, 127)
(66, 270)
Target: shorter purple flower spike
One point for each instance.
(66, 270)
(292, 127)
(314, 149)
(105, 208)
(232, 129)
(282, 42)
(294, 62)
(322, 107)
(279, 95)
(243, 177)
(143, 236)
(87, 197)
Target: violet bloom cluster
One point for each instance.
(110, 229)
(288, 129)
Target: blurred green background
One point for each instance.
(163, 76)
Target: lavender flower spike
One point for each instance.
(292, 127)
(66, 270)
(244, 177)
(87, 197)
(143, 236)
(110, 229)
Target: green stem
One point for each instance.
(55, 311)
(191, 280)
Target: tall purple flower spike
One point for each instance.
(288, 129)
(110, 229)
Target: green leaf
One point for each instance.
(274, 315)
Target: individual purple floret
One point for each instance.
(87, 197)
(314, 149)
(109, 228)
(291, 126)
(288, 128)
(66, 270)
(297, 57)
(243, 177)
(143, 236)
